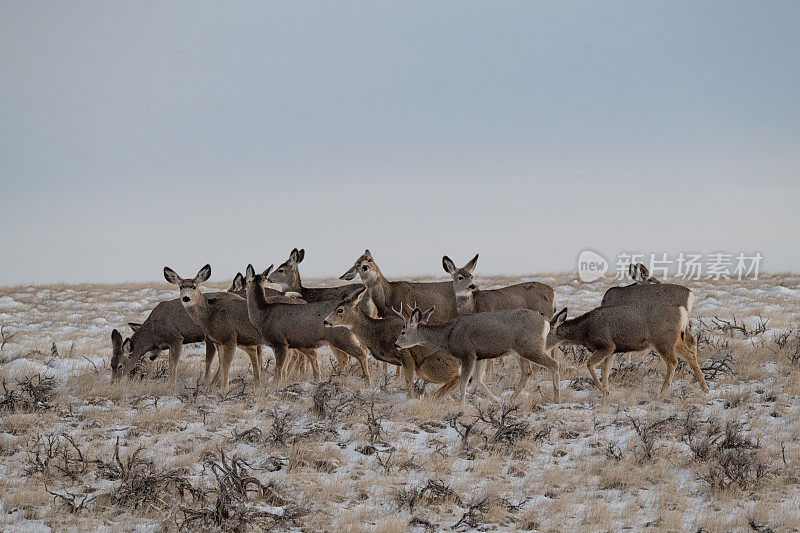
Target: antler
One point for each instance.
(400, 312)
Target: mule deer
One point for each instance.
(386, 294)
(647, 289)
(284, 325)
(605, 331)
(378, 335)
(469, 300)
(168, 326)
(287, 276)
(488, 335)
(223, 318)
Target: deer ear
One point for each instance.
(116, 339)
(469, 267)
(238, 282)
(416, 314)
(267, 271)
(448, 265)
(171, 276)
(426, 315)
(134, 326)
(294, 256)
(632, 271)
(301, 255)
(643, 273)
(203, 274)
(355, 295)
(250, 273)
(127, 346)
(559, 319)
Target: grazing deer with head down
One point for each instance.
(283, 325)
(470, 299)
(223, 318)
(386, 295)
(167, 327)
(605, 331)
(378, 335)
(488, 335)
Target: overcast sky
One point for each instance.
(135, 135)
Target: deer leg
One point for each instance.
(605, 368)
(408, 375)
(211, 351)
(341, 357)
(252, 351)
(228, 351)
(595, 358)
(667, 353)
(311, 355)
(347, 344)
(525, 373)
(541, 358)
(447, 387)
(691, 358)
(175, 349)
(477, 377)
(281, 353)
(467, 368)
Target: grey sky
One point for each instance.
(136, 134)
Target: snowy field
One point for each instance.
(77, 451)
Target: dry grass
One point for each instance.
(339, 456)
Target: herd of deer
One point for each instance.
(452, 329)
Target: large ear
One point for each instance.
(469, 267)
(250, 273)
(171, 276)
(127, 346)
(294, 256)
(643, 272)
(203, 274)
(116, 339)
(301, 254)
(350, 274)
(426, 315)
(633, 271)
(133, 325)
(559, 319)
(238, 282)
(416, 314)
(355, 295)
(448, 265)
(267, 271)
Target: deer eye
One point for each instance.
(280, 270)
(339, 311)
(460, 278)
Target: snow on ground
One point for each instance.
(144, 455)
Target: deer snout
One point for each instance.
(472, 286)
(186, 299)
(397, 347)
(326, 323)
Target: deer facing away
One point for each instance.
(605, 331)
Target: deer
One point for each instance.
(386, 294)
(168, 326)
(282, 324)
(287, 277)
(646, 288)
(223, 319)
(487, 335)
(378, 335)
(297, 358)
(470, 299)
(607, 330)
